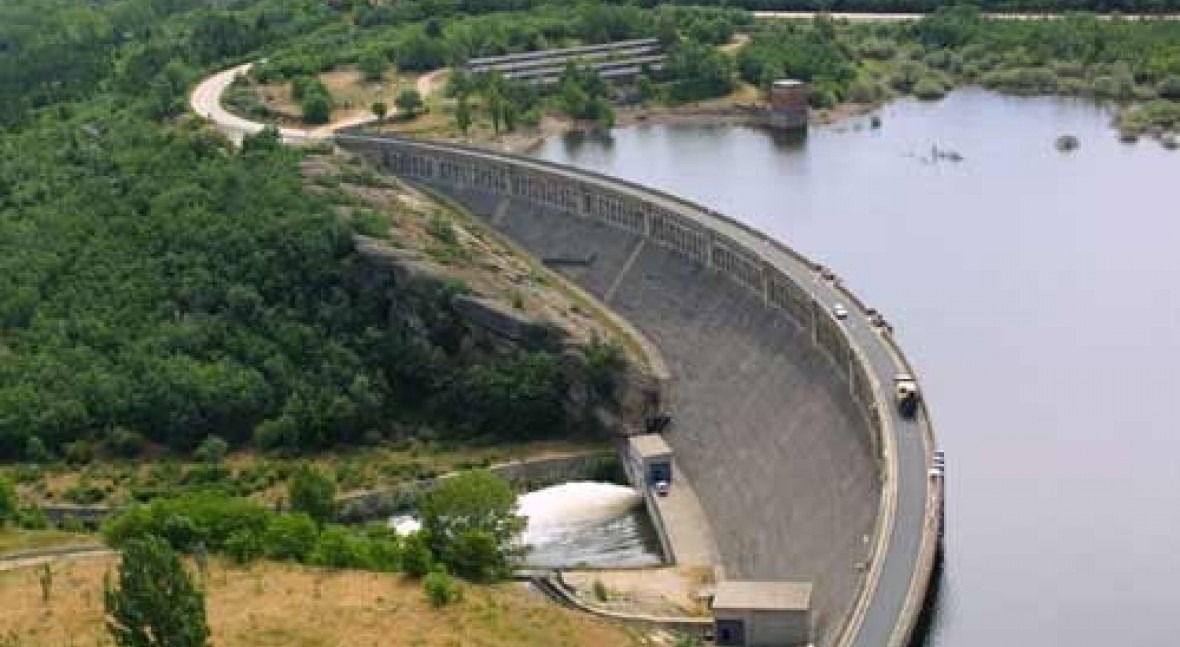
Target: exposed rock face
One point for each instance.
(428, 302)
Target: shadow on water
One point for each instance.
(786, 141)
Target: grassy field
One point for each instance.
(278, 605)
(12, 540)
(264, 477)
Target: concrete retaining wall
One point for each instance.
(526, 474)
(779, 423)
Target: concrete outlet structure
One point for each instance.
(786, 429)
(649, 460)
(762, 614)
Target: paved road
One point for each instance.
(205, 101)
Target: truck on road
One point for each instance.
(905, 390)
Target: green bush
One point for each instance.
(203, 517)
(8, 502)
(317, 109)
(36, 452)
(289, 536)
(929, 88)
(878, 49)
(372, 65)
(84, 493)
(863, 91)
(1110, 86)
(211, 450)
(441, 589)
(1169, 87)
(1022, 80)
(337, 547)
(417, 558)
(124, 442)
(311, 491)
(244, 546)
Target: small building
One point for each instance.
(762, 614)
(649, 460)
(788, 104)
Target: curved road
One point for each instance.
(205, 100)
(908, 537)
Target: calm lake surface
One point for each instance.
(1036, 293)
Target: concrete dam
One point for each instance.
(784, 419)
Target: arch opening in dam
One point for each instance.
(780, 425)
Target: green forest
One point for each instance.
(161, 287)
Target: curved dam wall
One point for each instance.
(780, 423)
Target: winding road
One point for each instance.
(205, 100)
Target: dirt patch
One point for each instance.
(675, 591)
(290, 606)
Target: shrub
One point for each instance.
(442, 229)
(929, 88)
(8, 502)
(372, 65)
(862, 91)
(1022, 80)
(79, 452)
(441, 589)
(370, 223)
(125, 442)
(313, 493)
(36, 452)
(211, 450)
(417, 559)
(204, 517)
(317, 109)
(84, 493)
(1113, 87)
(339, 548)
(289, 536)
(604, 361)
(243, 546)
(878, 49)
(409, 103)
(1169, 87)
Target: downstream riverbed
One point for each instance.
(1035, 291)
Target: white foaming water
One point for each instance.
(578, 523)
(556, 509)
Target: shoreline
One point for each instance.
(747, 115)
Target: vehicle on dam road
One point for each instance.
(905, 390)
(839, 311)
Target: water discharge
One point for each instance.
(580, 523)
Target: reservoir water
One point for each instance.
(1036, 293)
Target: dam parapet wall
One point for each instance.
(784, 421)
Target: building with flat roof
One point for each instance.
(762, 614)
(649, 460)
